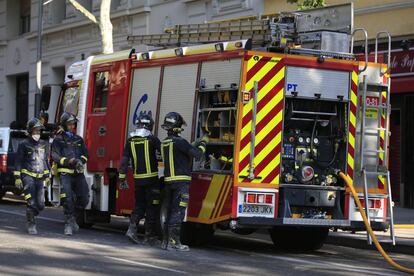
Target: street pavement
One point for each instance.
(104, 250)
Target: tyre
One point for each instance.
(299, 238)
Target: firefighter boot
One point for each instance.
(174, 242)
(68, 231)
(151, 237)
(132, 232)
(73, 224)
(164, 243)
(31, 224)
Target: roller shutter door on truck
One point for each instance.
(178, 92)
(223, 72)
(144, 93)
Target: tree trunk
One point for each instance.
(106, 27)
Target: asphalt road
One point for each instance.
(104, 250)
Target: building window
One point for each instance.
(24, 16)
(100, 96)
(22, 99)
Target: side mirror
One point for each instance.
(45, 98)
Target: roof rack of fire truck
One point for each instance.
(317, 32)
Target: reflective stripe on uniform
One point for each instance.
(84, 158)
(62, 195)
(122, 175)
(28, 196)
(147, 160)
(171, 153)
(155, 202)
(32, 174)
(16, 173)
(183, 204)
(46, 172)
(177, 178)
(203, 148)
(134, 154)
(65, 170)
(145, 175)
(62, 160)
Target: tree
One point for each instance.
(104, 23)
(308, 4)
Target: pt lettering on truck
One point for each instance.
(292, 87)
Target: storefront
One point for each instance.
(402, 127)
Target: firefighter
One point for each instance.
(141, 149)
(70, 154)
(32, 172)
(177, 154)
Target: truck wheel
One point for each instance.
(81, 221)
(196, 233)
(299, 238)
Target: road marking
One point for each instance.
(24, 215)
(146, 265)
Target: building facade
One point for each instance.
(68, 36)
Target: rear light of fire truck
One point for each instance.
(3, 163)
(258, 198)
(373, 203)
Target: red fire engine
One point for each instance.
(282, 122)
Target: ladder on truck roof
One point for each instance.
(256, 29)
(375, 99)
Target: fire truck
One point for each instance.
(286, 105)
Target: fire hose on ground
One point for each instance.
(348, 182)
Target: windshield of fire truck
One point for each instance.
(70, 102)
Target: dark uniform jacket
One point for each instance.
(64, 148)
(32, 158)
(177, 155)
(142, 152)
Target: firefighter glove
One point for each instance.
(123, 185)
(46, 182)
(72, 162)
(18, 183)
(205, 138)
(79, 166)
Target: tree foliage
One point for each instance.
(308, 4)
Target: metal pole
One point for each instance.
(253, 131)
(39, 53)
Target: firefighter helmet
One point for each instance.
(145, 121)
(173, 121)
(67, 118)
(34, 123)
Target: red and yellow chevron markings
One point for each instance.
(215, 198)
(381, 178)
(352, 124)
(269, 72)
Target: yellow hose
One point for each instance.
(348, 182)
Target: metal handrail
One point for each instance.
(365, 46)
(388, 51)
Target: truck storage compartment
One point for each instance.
(217, 95)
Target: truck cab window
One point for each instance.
(70, 101)
(100, 91)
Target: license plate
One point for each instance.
(257, 209)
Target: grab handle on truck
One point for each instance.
(365, 45)
(388, 50)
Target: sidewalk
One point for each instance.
(404, 232)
